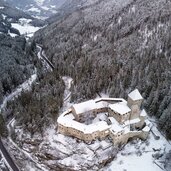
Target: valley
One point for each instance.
(55, 54)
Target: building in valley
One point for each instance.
(115, 118)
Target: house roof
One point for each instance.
(120, 108)
(68, 121)
(135, 95)
(143, 113)
(115, 127)
(94, 104)
(133, 121)
(84, 106)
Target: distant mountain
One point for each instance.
(38, 8)
(9, 15)
(113, 47)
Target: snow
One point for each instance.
(104, 145)
(120, 108)
(84, 46)
(12, 34)
(100, 117)
(53, 6)
(3, 16)
(95, 37)
(143, 113)
(26, 29)
(119, 20)
(133, 9)
(84, 107)
(25, 86)
(4, 161)
(101, 104)
(40, 17)
(146, 129)
(33, 9)
(116, 127)
(133, 121)
(68, 121)
(138, 155)
(45, 8)
(39, 2)
(24, 21)
(98, 104)
(2, 7)
(135, 95)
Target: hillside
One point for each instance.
(114, 47)
(16, 54)
(41, 9)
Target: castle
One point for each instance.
(115, 118)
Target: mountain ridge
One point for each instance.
(118, 35)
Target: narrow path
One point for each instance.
(24, 86)
(8, 158)
(41, 55)
(27, 85)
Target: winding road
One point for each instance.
(8, 158)
(25, 86)
(41, 55)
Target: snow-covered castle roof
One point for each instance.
(120, 108)
(135, 95)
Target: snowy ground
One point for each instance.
(24, 27)
(139, 156)
(3, 163)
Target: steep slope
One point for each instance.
(114, 47)
(16, 55)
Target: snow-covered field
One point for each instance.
(24, 27)
(27, 29)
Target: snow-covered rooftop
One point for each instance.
(135, 95)
(94, 104)
(120, 108)
(146, 129)
(133, 121)
(115, 127)
(143, 113)
(67, 120)
(84, 106)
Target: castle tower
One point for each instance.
(134, 102)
